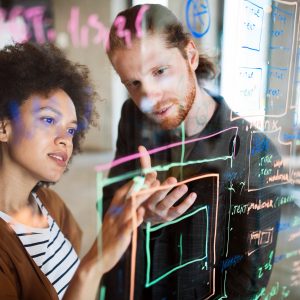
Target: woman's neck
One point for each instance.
(15, 188)
(18, 202)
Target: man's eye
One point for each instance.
(71, 131)
(48, 120)
(160, 71)
(135, 83)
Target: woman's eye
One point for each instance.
(71, 131)
(48, 120)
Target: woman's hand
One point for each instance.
(117, 227)
(119, 221)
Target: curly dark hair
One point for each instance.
(29, 68)
(158, 19)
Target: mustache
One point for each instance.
(148, 105)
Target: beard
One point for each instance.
(181, 108)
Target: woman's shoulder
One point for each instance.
(49, 198)
(46, 193)
(53, 203)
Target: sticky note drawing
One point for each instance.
(250, 83)
(252, 22)
(283, 17)
(282, 43)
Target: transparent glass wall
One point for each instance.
(240, 239)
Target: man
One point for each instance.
(207, 244)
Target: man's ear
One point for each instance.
(4, 124)
(192, 54)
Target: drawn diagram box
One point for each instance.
(266, 237)
(282, 62)
(202, 253)
(277, 91)
(265, 165)
(295, 176)
(196, 248)
(251, 27)
(250, 81)
(295, 101)
(259, 239)
(283, 25)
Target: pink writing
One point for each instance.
(138, 21)
(120, 24)
(80, 36)
(17, 27)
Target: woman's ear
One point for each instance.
(192, 54)
(4, 124)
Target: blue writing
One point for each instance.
(197, 17)
(230, 261)
(259, 144)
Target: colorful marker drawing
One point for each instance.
(197, 17)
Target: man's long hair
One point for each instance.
(156, 19)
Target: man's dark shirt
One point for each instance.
(223, 242)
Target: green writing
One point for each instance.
(266, 266)
(266, 160)
(274, 291)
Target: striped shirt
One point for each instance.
(49, 249)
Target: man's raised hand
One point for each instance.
(161, 206)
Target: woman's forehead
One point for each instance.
(57, 101)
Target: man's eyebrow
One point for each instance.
(125, 81)
(53, 110)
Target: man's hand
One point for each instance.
(160, 206)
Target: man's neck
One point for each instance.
(200, 114)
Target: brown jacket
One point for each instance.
(20, 277)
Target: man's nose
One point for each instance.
(151, 93)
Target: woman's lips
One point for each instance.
(60, 158)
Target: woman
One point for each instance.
(46, 108)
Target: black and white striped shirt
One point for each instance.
(49, 249)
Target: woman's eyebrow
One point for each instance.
(74, 122)
(55, 111)
(41, 108)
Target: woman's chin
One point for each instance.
(51, 179)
